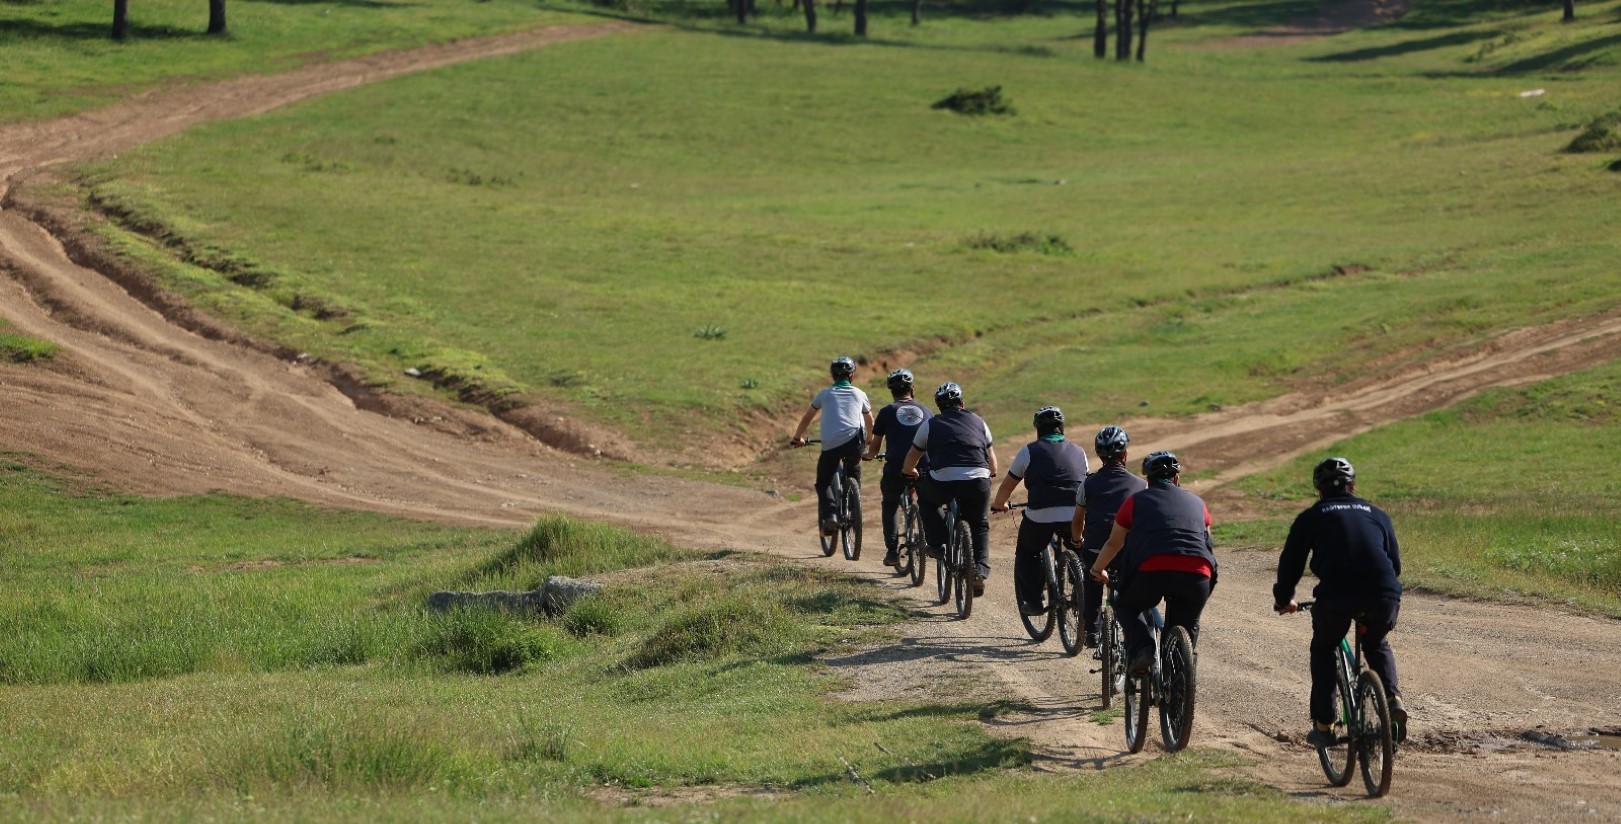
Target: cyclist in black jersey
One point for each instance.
(1354, 554)
(961, 466)
(1052, 469)
(1096, 503)
(896, 423)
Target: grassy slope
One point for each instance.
(691, 676)
(60, 58)
(1510, 495)
(561, 222)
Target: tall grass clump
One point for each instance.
(559, 545)
(489, 642)
(23, 349)
(735, 625)
(1602, 134)
(372, 755)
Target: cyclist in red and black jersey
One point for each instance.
(897, 423)
(1162, 538)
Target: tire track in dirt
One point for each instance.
(142, 402)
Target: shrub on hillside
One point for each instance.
(984, 101)
(1042, 243)
(737, 624)
(1603, 134)
(488, 642)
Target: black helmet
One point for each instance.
(1111, 442)
(900, 380)
(1049, 418)
(1161, 466)
(843, 368)
(1333, 475)
(949, 394)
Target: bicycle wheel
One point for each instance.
(830, 543)
(965, 571)
(1040, 627)
(1179, 681)
(1137, 701)
(1111, 656)
(1374, 739)
(1339, 760)
(943, 574)
(1071, 583)
(850, 526)
(914, 537)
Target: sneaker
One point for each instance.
(1141, 663)
(1398, 718)
(979, 586)
(1090, 640)
(892, 558)
(830, 526)
(935, 552)
(1320, 736)
(1031, 610)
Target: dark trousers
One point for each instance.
(1091, 591)
(973, 505)
(1184, 593)
(850, 455)
(892, 485)
(1027, 569)
(1329, 623)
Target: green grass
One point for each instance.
(15, 348)
(1510, 495)
(630, 696)
(557, 224)
(61, 59)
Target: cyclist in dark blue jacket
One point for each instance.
(896, 423)
(1096, 503)
(1356, 559)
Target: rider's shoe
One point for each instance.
(830, 526)
(892, 558)
(1090, 640)
(1320, 736)
(1141, 663)
(979, 586)
(937, 553)
(1398, 717)
(1032, 609)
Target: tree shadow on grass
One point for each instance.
(1461, 38)
(1574, 57)
(80, 30)
(995, 754)
(364, 4)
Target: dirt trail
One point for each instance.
(138, 401)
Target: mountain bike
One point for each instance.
(846, 494)
(954, 574)
(1364, 730)
(1061, 604)
(1171, 685)
(1111, 652)
(913, 558)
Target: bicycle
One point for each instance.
(1364, 730)
(913, 558)
(1171, 681)
(1063, 595)
(954, 573)
(1111, 651)
(846, 495)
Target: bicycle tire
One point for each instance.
(1339, 761)
(942, 576)
(850, 529)
(830, 543)
(914, 538)
(1137, 701)
(1110, 655)
(1375, 741)
(965, 572)
(1180, 688)
(1071, 591)
(1039, 627)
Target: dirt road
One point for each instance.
(138, 401)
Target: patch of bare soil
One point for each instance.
(150, 403)
(1335, 18)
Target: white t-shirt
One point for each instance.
(842, 420)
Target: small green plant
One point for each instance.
(468, 177)
(21, 349)
(984, 101)
(1037, 242)
(750, 383)
(1600, 135)
(710, 332)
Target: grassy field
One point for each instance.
(1511, 495)
(224, 658)
(567, 223)
(60, 57)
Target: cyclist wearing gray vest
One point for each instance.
(1052, 469)
(1162, 538)
(1356, 559)
(846, 420)
(1096, 503)
(961, 466)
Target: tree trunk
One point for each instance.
(861, 18)
(810, 16)
(1122, 25)
(216, 16)
(120, 19)
(1570, 11)
(741, 9)
(1145, 11)
(1100, 35)
(917, 12)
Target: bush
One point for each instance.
(488, 642)
(558, 545)
(1040, 243)
(727, 627)
(984, 101)
(19, 349)
(1601, 135)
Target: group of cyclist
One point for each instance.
(1146, 536)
